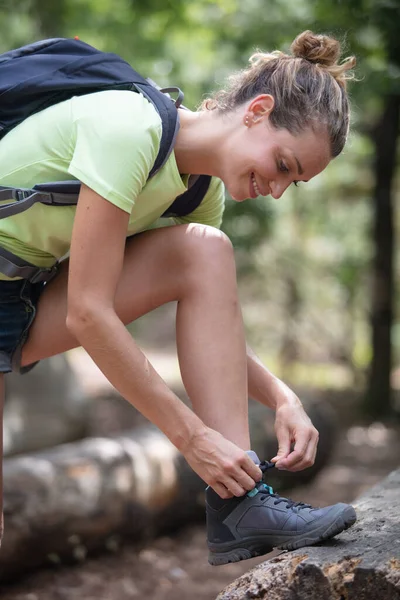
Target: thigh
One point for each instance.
(153, 274)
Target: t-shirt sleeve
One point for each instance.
(115, 141)
(211, 209)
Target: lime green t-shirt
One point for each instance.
(107, 140)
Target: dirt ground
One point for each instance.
(171, 568)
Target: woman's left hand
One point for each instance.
(297, 437)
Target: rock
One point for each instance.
(362, 563)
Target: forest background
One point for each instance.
(316, 269)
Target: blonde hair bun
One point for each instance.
(324, 51)
(318, 49)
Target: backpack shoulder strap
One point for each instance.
(187, 202)
(168, 111)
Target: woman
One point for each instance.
(280, 122)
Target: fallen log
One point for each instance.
(61, 503)
(45, 407)
(64, 502)
(363, 562)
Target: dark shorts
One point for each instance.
(18, 301)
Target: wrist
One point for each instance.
(265, 387)
(184, 436)
(286, 397)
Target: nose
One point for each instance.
(277, 189)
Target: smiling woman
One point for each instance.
(301, 102)
(281, 121)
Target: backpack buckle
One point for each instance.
(44, 275)
(21, 194)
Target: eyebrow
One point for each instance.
(299, 167)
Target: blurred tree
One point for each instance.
(372, 27)
(385, 136)
(49, 16)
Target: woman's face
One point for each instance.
(263, 160)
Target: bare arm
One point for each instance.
(97, 252)
(292, 425)
(265, 387)
(96, 262)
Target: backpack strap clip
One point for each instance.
(14, 266)
(44, 274)
(169, 90)
(20, 195)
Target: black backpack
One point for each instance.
(44, 73)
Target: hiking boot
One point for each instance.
(255, 524)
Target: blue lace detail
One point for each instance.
(267, 489)
(262, 487)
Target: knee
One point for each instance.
(207, 258)
(208, 246)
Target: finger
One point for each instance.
(222, 491)
(309, 458)
(246, 481)
(300, 466)
(252, 470)
(284, 445)
(295, 457)
(312, 450)
(234, 487)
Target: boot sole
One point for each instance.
(256, 546)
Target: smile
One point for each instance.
(255, 186)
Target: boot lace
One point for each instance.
(267, 491)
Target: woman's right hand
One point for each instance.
(221, 464)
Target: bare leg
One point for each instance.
(212, 348)
(194, 265)
(2, 397)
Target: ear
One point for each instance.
(259, 109)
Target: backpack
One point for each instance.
(44, 73)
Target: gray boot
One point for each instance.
(254, 524)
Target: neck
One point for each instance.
(199, 144)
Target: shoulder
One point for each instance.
(115, 141)
(114, 103)
(117, 115)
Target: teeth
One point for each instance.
(255, 186)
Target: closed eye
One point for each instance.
(283, 167)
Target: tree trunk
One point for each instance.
(378, 398)
(363, 562)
